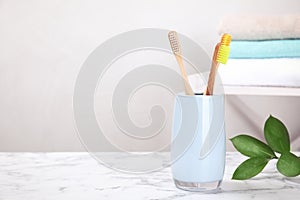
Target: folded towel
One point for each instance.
(283, 72)
(253, 27)
(265, 49)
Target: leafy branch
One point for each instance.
(260, 153)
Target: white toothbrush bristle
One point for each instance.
(174, 42)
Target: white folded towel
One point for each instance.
(262, 27)
(282, 72)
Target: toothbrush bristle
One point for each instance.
(223, 54)
(226, 39)
(174, 42)
(224, 49)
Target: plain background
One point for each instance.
(44, 43)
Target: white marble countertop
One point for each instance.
(78, 176)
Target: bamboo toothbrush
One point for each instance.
(221, 54)
(176, 48)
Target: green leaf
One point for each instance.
(252, 147)
(249, 168)
(289, 164)
(277, 135)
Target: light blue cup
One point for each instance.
(198, 142)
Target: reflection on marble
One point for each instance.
(78, 176)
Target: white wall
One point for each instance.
(44, 43)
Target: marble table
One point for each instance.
(75, 176)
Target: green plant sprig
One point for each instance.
(260, 153)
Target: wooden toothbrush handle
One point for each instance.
(187, 86)
(211, 80)
(213, 71)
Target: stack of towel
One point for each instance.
(265, 51)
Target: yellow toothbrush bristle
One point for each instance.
(224, 49)
(226, 39)
(223, 54)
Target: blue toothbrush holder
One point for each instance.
(198, 142)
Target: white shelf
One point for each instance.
(269, 91)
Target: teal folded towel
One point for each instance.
(265, 49)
